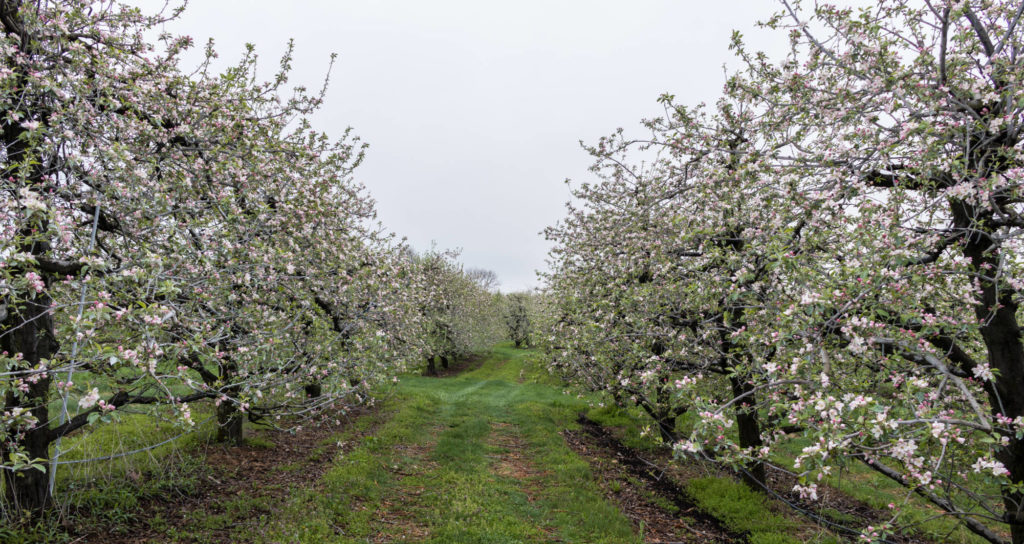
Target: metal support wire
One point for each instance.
(74, 355)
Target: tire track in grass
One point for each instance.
(504, 474)
(473, 504)
(510, 462)
(395, 517)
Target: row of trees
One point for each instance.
(520, 314)
(171, 238)
(827, 260)
(460, 312)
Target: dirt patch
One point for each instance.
(263, 472)
(398, 524)
(471, 362)
(652, 501)
(511, 463)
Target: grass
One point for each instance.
(739, 509)
(99, 495)
(471, 459)
(109, 493)
(489, 466)
(855, 481)
(99, 487)
(475, 458)
(742, 511)
(919, 517)
(628, 424)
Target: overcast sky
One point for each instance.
(474, 109)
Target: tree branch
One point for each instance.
(943, 43)
(1010, 29)
(62, 268)
(979, 29)
(969, 521)
(928, 359)
(118, 400)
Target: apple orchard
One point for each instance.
(820, 269)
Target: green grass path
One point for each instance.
(475, 458)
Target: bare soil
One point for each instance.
(471, 362)
(512, 463)
(636, 486)
(254, 471)
(661, 465)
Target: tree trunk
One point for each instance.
(748, 425)
(667, 428)
(664, 418)
(28, 330)
(667, 414)
(619, 398)
(229, 424)
(444, 362)
(28, 489)
(1005, 354)
(1006, 396)
(749, 428)
(519, 344)
(997, 309)
(431, 367)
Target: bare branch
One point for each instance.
(1010, 29)
(979, 29)
(967, 519)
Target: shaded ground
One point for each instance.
(459, 366)
(239, 486)
(834, 511)
(654, 504)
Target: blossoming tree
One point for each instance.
(517, 318)
(875, 187)
(458, 314)
(170, 238)
(902, 123)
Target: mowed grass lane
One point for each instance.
(475, 458)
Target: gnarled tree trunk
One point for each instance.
(749, 428)
(230, 424)
(28, 330)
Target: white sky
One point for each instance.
(474, 109)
